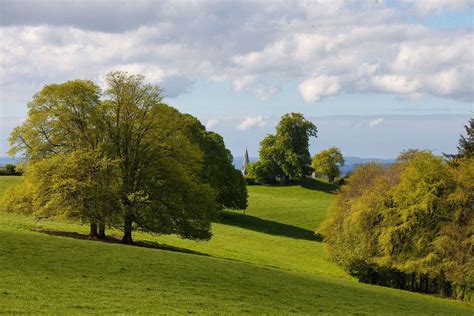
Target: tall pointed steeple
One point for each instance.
(245, 163)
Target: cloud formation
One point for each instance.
(326, 47)
(251, 121)
(376, 122)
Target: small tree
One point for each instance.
(328, 162)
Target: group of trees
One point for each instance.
(409, 225)
(122, 158)
(284, 156)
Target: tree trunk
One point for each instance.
(127, 229)
(93, 230)
(283, 179)
(101, 234)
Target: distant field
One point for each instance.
(264, 262)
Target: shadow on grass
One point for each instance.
(318, 185)
(267, 227)
(116, 240)
(308, 183)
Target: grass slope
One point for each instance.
(8, 181)
(254, 264)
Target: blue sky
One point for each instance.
(376, 77)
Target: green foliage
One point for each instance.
(217, 168)
(328, 162)
(408, 226)
(130, 125)
(156, 157)
(81, 184)
(61, 118)
(10, 169)
(285, 155)
(466, 144)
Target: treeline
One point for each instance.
(10, 170)
(122, 158)
(409, 225)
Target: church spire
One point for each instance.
(245, 163)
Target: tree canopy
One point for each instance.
(217, 167)
(408, 225)
(285, 155)
(169, 174)
(328, 162)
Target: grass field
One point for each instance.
(264, 262)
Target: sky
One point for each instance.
(376, 77)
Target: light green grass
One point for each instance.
(303, 206)
(8, 181)
(254, 264)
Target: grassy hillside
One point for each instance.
(261, 262)
(7, 181)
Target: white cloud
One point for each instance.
(427, 6)
(326, 46)
(251, 121)
(211, 123)
(243, 82)
(314, 88)
(266, 93)
(376, 122)
(396, 83)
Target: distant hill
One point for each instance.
(351, 162)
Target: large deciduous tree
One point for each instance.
(156, 156)
(285, 155)
(162, 186)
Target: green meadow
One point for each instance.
(266, 261)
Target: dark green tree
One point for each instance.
(285, 155)
(10, 169)
(217, 168)
(466, 144)
(156, 156)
